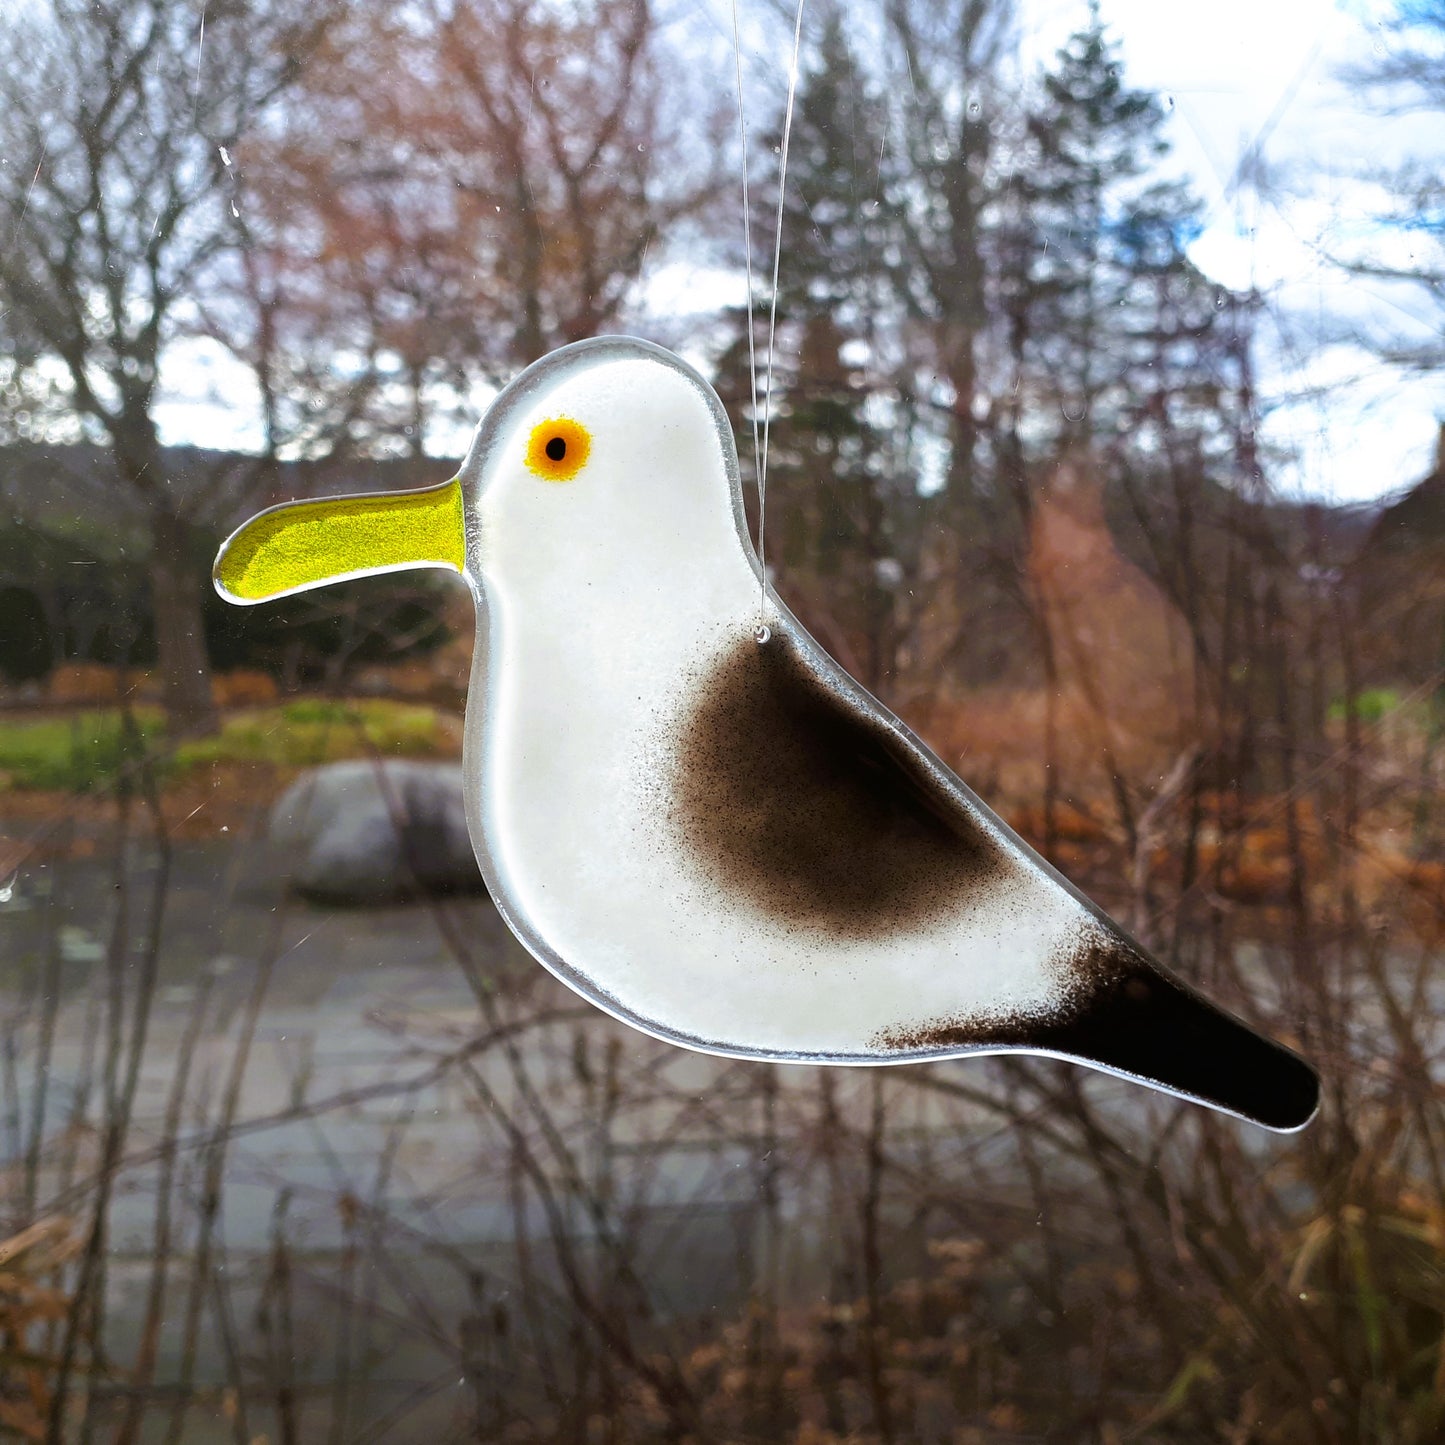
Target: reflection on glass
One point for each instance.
(1106, 377)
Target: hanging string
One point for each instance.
(773, 323)
(748, 255)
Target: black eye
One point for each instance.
(556, 449)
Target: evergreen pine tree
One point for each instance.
(1097, 282)
(840, 508)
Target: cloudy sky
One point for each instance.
(1241, 73)
(1238, 77)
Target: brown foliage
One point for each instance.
(461, 188)
(31, 1305)
(244, 687)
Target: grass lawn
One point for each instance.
(77, 752)
(85, 751)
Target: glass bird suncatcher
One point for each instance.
(711, 832)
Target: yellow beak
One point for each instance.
(300, 545)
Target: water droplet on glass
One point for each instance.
(1075, 411)
(762, 633)
(974, 108)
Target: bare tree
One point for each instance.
(460, 187)
(117, 124)
(1409, 77)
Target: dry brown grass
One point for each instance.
(32, 1302)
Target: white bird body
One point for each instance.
(596, 876)
(727, 842)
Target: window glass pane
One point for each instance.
(1093, 357)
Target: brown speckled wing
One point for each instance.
(815, 811)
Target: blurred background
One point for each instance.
(1106, 449)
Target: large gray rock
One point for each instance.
(368, 832)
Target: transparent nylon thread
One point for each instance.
(773, 309)
(748, 260)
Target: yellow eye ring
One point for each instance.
(558, 449)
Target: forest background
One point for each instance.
(1019, 483)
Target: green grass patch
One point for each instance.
(85, 751)
(76, 753)
(1371, 705)
(309, 731)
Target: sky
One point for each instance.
(1240, 73)
(1234, 76)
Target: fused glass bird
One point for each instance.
(706, 826)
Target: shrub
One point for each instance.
(309, 731)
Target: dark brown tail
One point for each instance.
(1142, 1023)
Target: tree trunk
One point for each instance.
(180, 635)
